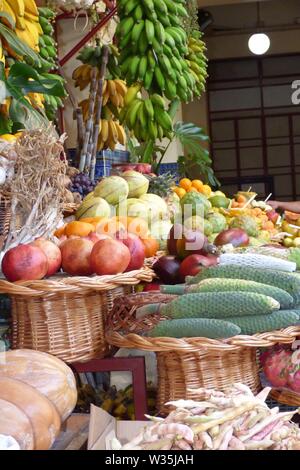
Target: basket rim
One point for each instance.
(65, 284)
(167, 344)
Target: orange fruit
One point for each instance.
(197, 184)
(91, 220)
(109, 226)
(234, 203)
(139, 227)
(80, 229)
(206, 190)
(151, 246)
(185, 183)
(60, 232)
(180, 192)
(192, 190)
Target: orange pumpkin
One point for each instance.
(78, 228)
(14, 422)
(48, 374)
(44, 418)
(151, 246)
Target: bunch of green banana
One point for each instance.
(153, 46)
(47, 44)
(52, 103)
(92, 55)
(197, 61)
(147, 118)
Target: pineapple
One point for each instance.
(161, 185)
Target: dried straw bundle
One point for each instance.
(37, 188)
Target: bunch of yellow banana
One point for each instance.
(197, 61)
(113, 93)
(26, 17)
(111, 132)
(113, 90)
(82, 76)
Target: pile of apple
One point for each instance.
(75, 256)
(188, 252)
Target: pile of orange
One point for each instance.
(110, 227)
(186, 186)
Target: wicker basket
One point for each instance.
(285, 397)
(65, 316)
(190, 363)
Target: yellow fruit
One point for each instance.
(180, 192)
(185, 183)
(197, 184)
(288, 242)
(206, 190)
(296, 242)
(192, 190)
(8, 137)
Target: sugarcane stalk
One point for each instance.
(80, 132)
(101, 78)
(90, 121)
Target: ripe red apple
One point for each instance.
(167, 269)
(95, 237)
(137, 251)
(193, 264)
(191, 243)
(52, 253)
(24, 263)
(109, 257)
(234, 236)
(76, 256)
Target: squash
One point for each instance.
(43, 415)
(14, 422)
(48, 374)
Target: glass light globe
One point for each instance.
(259, 43)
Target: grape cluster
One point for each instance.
(82, 184)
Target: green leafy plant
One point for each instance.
(21, 80)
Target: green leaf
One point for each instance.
(6, 125)
(9, 18)
(22, 112)
(18, 46)
(27, 79)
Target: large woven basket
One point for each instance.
(190, 363)
(65, 316)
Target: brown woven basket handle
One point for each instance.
(69, 285)
(134, 341)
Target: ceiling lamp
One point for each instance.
(259, 43)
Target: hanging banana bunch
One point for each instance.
(92, 53)
(111, 131)
(197, 61)
(147, 118)
(153, 46)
